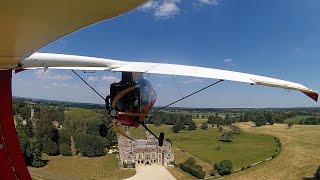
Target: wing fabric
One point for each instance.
(26, 26)
(59, 61)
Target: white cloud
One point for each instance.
(167, 9)
(52, 76)
(92, 78)
(193, 80)
(110, 79)
(227, 60)
(208, 2)
(57, 85)
(163, 9)
(149, 6)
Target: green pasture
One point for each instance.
(62, 167)
(296, 119)
(247, 148)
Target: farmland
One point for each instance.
(299, 158)
(247, 147)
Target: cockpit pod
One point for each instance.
(131, 101)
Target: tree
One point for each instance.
(215, 120)
(30, 147)
(50, 147)
(241, 119)
(194, 169)
(204, 126)
(247, 117)
(260, 120)
(224, 167)
(91, 145)
(65, 150)
(269, 118)
(175, 128)
(28, 129)
(35, 153)
(235, 129)
(226, 137)
(191, 161)
(80, 120)
(290, 124)
(73, 147)
(157, 124)
(44, 122)
(192, 126)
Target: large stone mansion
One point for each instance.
(144, 151)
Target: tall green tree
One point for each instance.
(204, 126)
(90, 145)
(192, 126)
(73, 147)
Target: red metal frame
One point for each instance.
(12, 164)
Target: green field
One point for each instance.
(61, 167)
(296, 119)
(247, 148)
(299, 158)
(199, 121)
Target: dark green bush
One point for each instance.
(65, 149)
(50, 147)
(91, 145)
(194, 170)
(224, 167)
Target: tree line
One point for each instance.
(78, 134)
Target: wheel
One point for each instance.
(161, 138)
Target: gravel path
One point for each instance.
(154, 172)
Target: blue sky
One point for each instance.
(274, 38)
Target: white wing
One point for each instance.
(60, 61)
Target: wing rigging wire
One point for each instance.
(88, 85)
(98, 79)
(34, 87)
(187, 96)
(177, 86)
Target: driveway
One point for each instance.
(154, 172)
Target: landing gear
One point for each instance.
(160, 138)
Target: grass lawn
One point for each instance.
(60, 167)
(247, 148)
(299, 158)
(296, 119)
(199, 121)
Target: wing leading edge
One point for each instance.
(61, 61)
